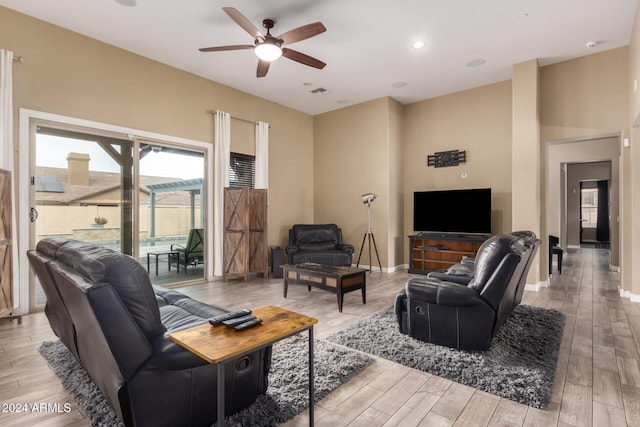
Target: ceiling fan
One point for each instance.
(269, 48)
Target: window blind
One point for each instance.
(242, 170)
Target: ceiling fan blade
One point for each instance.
(243, 22)
(263, 67)
(294, 55)
(302, 33)
(223, 48)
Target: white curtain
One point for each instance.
(262, 155)
(222, 152)
(6, 109)
(6, 150)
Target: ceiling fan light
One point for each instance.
(268, 51)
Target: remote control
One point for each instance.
(245, 325)
(216, 320)
(238, 320)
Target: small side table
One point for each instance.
(220, 345)
(169, 254)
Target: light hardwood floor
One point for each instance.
(597, 379)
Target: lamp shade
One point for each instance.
(268, 51)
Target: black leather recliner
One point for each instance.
(462, 272)
(318, 243)
(467, 317)
(117, 324)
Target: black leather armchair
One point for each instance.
(319, 243)
(466, 317)
(117, 324)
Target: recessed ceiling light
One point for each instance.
(399, 84)
(592, 44)
(418, 45)
(128, 3)
(476, 62)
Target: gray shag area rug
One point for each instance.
(520, 364)
(287, 395)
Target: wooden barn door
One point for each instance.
(245, 232)
(258, 257)
(6, 295)
(236, 238)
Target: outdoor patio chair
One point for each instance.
(193, 252)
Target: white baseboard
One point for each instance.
(535, 287)
(573, 246)
(376, 269)
(628, 294)
(404, 267)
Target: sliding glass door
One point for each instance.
(171, 214)
(140, 197)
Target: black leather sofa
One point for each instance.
(468, 316)
(319, 243)
(103, 307)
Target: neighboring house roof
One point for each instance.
(52, 187)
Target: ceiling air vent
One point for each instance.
(319, 90)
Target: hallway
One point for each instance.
(598, 373)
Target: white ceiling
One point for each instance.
(367, 45)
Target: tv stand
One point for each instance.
(438, 251)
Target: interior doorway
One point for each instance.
(570, 162)
(594, 214)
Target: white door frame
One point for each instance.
(21, 296)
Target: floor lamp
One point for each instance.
(368, 235)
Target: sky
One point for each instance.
(52, 151)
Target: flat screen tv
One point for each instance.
(453, 211)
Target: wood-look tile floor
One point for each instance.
(597, 380)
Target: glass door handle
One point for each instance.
(33, 214)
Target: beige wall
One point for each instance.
(526, 154)
(634, 73)
(397, 241)
(68, 74)
(631, 174)
(351, 154)
(477, 121)
(585, 96)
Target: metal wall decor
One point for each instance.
(446, 158)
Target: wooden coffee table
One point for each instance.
(220, 345)
(333, 278)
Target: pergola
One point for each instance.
(193, 186)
